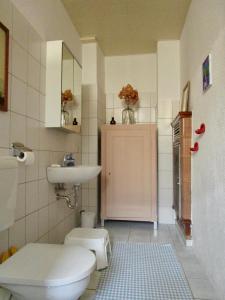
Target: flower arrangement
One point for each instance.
(67, 96)
(129, 95)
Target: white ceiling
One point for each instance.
(128, 26)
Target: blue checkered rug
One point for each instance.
(143, 271)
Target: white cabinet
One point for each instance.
(63, 88)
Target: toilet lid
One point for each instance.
(47, 265)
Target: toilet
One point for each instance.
(40, 271)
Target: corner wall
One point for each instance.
(204, 33)
(168, 56)
(93, 116)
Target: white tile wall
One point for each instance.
(168, 97)
(93, 115)
(38, 216)
(138, 70)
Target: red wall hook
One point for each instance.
(195, 148)
(201, 129)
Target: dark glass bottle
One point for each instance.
(75, 121)
(113, 122)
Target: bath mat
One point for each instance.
(143, 271)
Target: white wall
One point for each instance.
(204, 33)
(39, 217)
(93, 115)
(52, 22)
(168, 62)
(140, 72)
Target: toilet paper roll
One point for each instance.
(26, 157)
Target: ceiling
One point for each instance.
(125, 27)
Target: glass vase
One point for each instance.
(128, 115)
(65, 116)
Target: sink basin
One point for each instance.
(75, 175)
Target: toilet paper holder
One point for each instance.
(18, 149)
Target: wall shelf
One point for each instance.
(72, 128)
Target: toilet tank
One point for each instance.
(8, 190)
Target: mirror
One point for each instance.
(4, 59)
(71, 89)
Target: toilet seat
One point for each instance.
(47, 265)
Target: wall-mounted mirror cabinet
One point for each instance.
(63, 88)
(4, 60)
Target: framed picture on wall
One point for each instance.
(185, 97)
(207, 73)
(4, 61)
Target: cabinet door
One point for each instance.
(128, 173)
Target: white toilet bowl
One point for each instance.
(44, 271)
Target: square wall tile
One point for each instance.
(43, 53)
(165, 144)
(85, 126)
(17, 234)
(33, 103)
(175, 108)
(31, 196)
(166, 215)
(4, 129)
(165, 162)
(109, 115)
(32, 228)
(21, 173)
(92, 109)
(85, 144)
(18, 128)
(33, 134)
(42, 108)
(109, 101)
(85, 196)
(52, 236)
(118, 115)
(18, 96)
(93, 158)
(42, 221)
(165, 179)
(145, 100)
(165, 197)
(52, 215)
(165, 109)
(43, 193)
(153, 115)
(21, 202)
(4, 240)
(19, 61)
(144, 115)
(34, 44)
(42, 80)
(20, 29)
(93, 126)
(32, 170)
(164, 127)
(93, 144)
(34, 71)
(44, 239)
(93, 197)
(43, 163)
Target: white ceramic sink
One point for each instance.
(75, 175)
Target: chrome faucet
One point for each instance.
(69, 160)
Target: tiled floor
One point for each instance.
(143, 232)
